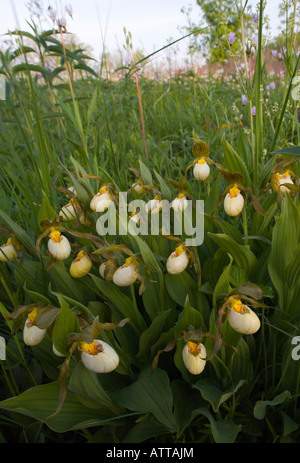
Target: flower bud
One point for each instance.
(177, 261)
(99, 356)
(32, 334)
(201, 170)
(193, 356)
(7, 251)
(81, 266)
(101, 200)
(180, 203)
(107, 269)
(241, 318)
(234, 202)
(58, 245)
(126, 274)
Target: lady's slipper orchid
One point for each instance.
(58, 245)
(107, 269)
(139, 187)
(201, 170)
(193, 356)
(126, 274)
(70, 211)
(135, 217)
(99, 356)
(32, 334)
(154, 205)
(180, 203)
(177, 261)
(241, 318)
(284, 178)
(7, 251)
(81, 266)
(234, 202)
(102, 200)
(56, 352)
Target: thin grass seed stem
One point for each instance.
(141, 113)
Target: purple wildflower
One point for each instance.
(272, 86)
(231, 38)
(62, 22)
(254, 111)
(274, 52)
(51, 13)
(69, 10)
(244, 100)
(255, 17)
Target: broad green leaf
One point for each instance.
(234, 162)
(180, 286)
(124, 304)
(260, 408)
(41, 401)
(145, 173)
(151, 335)
(164, 189)
(87, 385)
(46, 211)
(210, 391)
(186, 400)
(223, 431)
(145, 430)
(242, 255)
(66, 324)
(285, 239)
(149, 394)
(147, 255)
(222, 287)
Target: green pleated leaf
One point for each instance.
(151, 335)
(123, 303)
(66, 324)
(242, 255)
(149, 394)
(223, 431)
(234, 162)
(210, 391)
(285, 239)
(39, 403)
(145, 173)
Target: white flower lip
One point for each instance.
(80, 266)
(125, 275)
(153, 206)
(201, 171)
(105, 361)
(233, 206)
(246, 322)
(68, 212)
(177, 263)
(194, 363)
(32, 335)
(285, 179)
(59, 250)
(9, 252)
(101, 201)
(179, 204)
